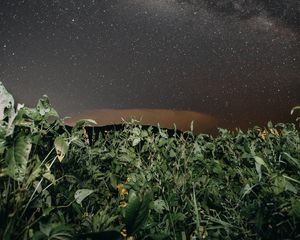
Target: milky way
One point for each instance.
(150, 54)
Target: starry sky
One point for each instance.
(157, 54)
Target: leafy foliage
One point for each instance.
(137, 183)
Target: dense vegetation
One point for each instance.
(137, 183)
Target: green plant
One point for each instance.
(138, 183)
(27, 155)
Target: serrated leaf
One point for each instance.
(81, 194)
(17, 157)
(61, 147)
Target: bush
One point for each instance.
(137, 183)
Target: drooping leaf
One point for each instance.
(61, 147)
(258, 163)
(81, 194)
(17, 157)
(50, 177)
(296, 108)
(84, 122)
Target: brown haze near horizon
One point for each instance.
(202, 123)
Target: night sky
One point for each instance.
(157, 54)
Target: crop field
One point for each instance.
(140, 183)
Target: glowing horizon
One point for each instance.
(166, 118)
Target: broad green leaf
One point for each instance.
(61, 147)
(49, 176)
(45, 109)
(113, 180)
(163, 134)
(290, 187)
(136, 131)
(136, 141)
(11, 121)
(258, 170)
(54, 231)
(6, 103)
(137, 211)
(296, 208)
(279, 184)
(81, 194)
(258, 163)
(17, 157)
(159, 205)
(172, 153)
